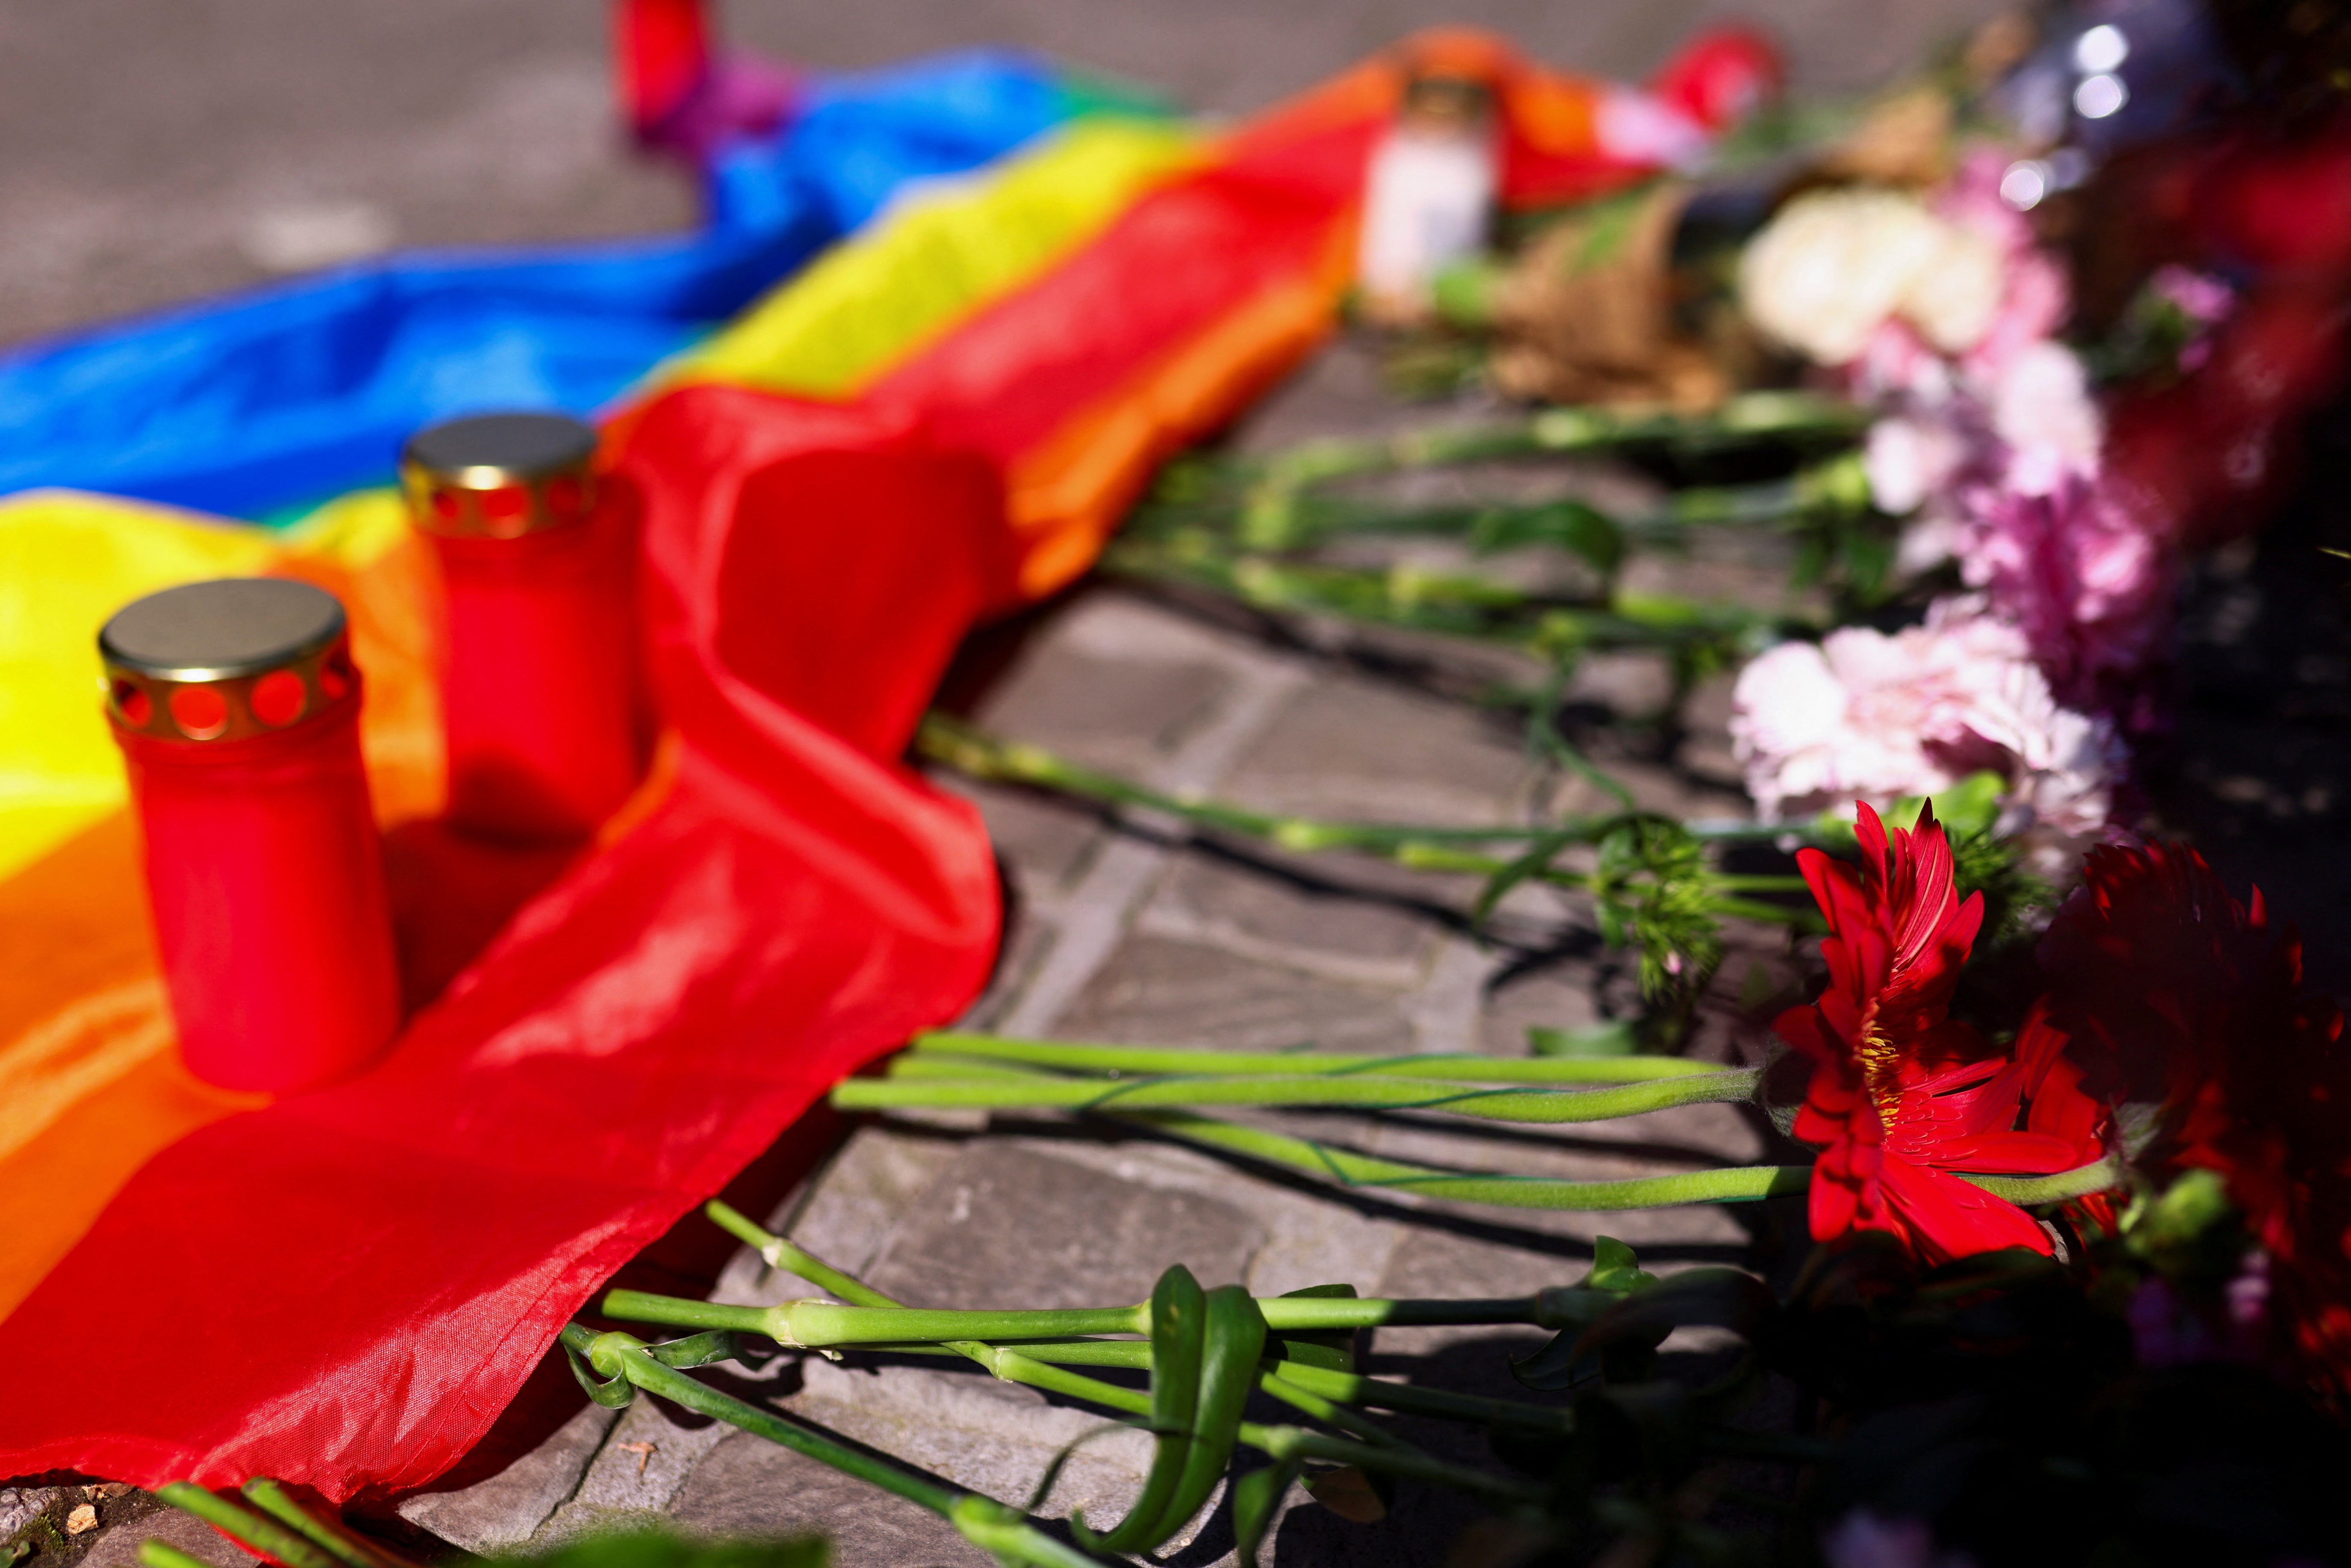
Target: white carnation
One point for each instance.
(1835, 266)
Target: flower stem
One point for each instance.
(1541, 1106)
(1354, 1388)
(968, 751)
(262, 1534)
(1736, 1184)
(351, 1549)
(987, 1523)
(814, 1325)
(1015, 1364)
(2079, 1182)
(1743, 420)
(978, 755)
(163, 1554)
(1078, 1057)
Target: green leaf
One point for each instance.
(1229, 1375)
(1535, 861)
(1615, 1269)
(1256, 1496)
(1179, 1324)
(1972, 805)
(1614, 1038)
(616, 1394)
(1608, 224)
(698, 1350)
(2191, 1230)
(1716, 1298)
(1577, 526)
(1566, 1362)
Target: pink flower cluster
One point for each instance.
(1994, 450)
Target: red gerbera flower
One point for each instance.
(1902, 1096)
(2188, 1011)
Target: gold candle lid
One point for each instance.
(224, 660)
(500, 476)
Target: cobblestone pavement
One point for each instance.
(155, 149)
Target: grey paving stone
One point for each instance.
(1011, 1227)
(1163, 992)
(996, 1438)
(749, 1486)
(1558, 998)
(645, 1457)
(1310, 1237)
(1314, 926)
(1705, 752)
(855, 1203)
(1353, 748)
(1633, 684)
(501, 1512)
(117, 1545)
(1111, 681)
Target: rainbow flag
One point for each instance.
(939, 419)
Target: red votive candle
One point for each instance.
(237, 707)
(538, 678)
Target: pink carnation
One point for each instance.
(2087, 582)
(1868, 715)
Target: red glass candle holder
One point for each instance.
(538, 679)
(237, 707)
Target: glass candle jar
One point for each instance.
(538, 675)
(237, 707)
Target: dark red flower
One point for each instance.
(2188, 1011)
(1903, 1097)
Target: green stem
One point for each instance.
(1372, 1393)
(814, 1325)
(1413, 599)
(983, 1521)
(1276, 514)
(782, 1254)
(1745, 418)
(956, 744)
(953, 744)
(262, 1534)
(1736, 1184)
(1085, 1057)
(163, 1554)
(1013, 1365)
(275, 1501)
(2079, 1182)
(1538, 1106)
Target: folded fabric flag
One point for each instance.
(344, 1288)
(285, 395)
